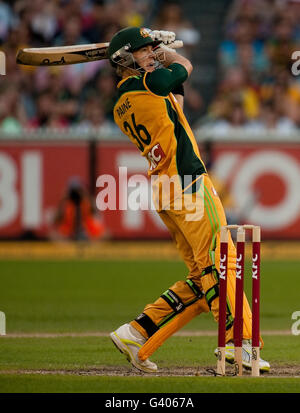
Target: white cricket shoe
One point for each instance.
(129, 341)
(264, 366)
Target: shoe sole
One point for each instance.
(123, 349)
(261, 370)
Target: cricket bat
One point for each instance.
(62, 55)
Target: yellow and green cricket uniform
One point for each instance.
(148, 113)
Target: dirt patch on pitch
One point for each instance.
(291, 371)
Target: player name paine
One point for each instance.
(123, 108)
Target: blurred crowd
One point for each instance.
(257, 89)
(255, 86)
(82, 95)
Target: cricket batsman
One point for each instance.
(149, 110)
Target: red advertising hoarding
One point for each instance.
(33, 179)
(263, 179)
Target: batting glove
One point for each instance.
(163, 36)
(175, 45)
(170, 47)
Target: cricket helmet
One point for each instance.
(125, 42)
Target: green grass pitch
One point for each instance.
(90, 297)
